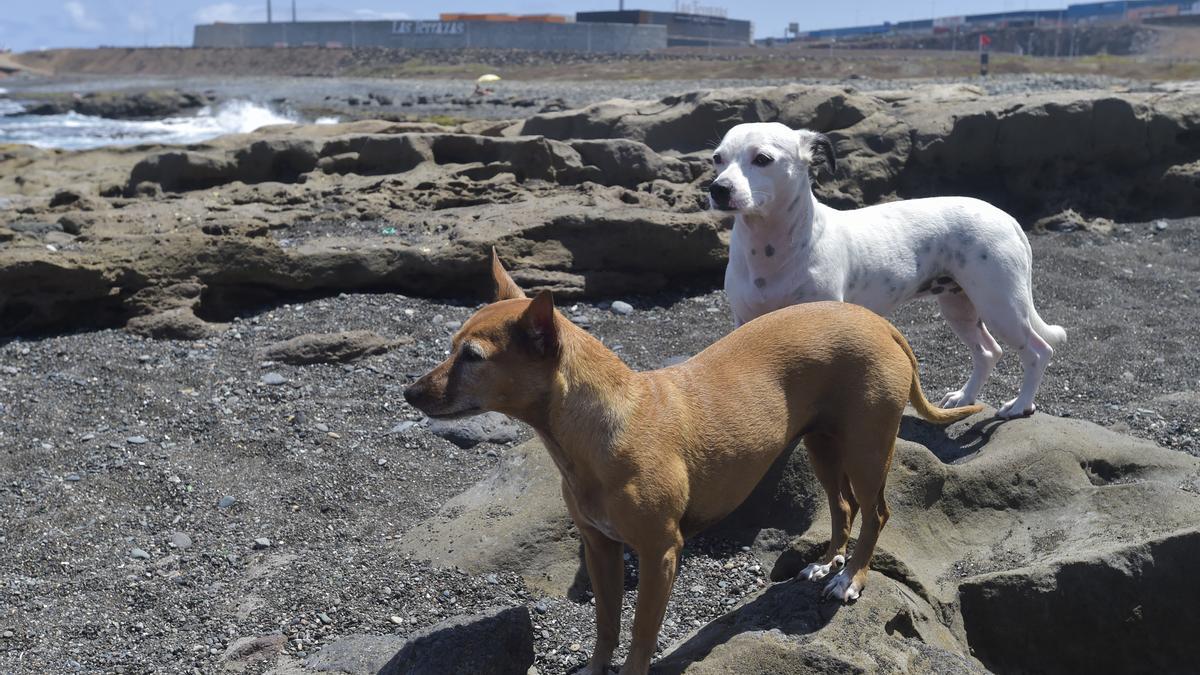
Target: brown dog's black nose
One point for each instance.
(719, 194)
(412, 393)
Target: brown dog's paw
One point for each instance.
(843, 587)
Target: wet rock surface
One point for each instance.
(148, 104)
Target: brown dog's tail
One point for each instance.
(917, 397)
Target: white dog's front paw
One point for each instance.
(956, 399)
(817, 571)
(842, 587)
(1014, 409)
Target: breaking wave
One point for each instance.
(74, 131)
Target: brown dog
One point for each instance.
(648, 459)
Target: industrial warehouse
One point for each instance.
(625, 31)
(1082, 13)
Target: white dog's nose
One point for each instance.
(720, 195)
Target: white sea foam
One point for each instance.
(75, 131)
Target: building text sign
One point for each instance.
(427, 27)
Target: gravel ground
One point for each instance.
(310, 94)
(121, 551)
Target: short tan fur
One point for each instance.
(650, 458)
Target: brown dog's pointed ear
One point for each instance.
(506, 288)
(538, 321)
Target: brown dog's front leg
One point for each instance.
(656, 575)
(606, 570)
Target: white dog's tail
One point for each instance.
(1055, 335)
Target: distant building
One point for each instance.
(683, 29)
(1089, 12)
(492, 31)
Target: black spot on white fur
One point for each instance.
(760, 282)
(769, 250)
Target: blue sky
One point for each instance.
(28, 25)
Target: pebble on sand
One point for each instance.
(621, 307)
(402, 427)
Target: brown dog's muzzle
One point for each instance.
(431, 394)
(416, 393)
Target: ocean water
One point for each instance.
(73, 131)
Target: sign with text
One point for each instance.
(427, 27)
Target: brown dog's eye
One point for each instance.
(762, 160)
(471, 353)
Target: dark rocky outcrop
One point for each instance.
(1103, 152)
(153, 103)
(499, 641)
(597, 202)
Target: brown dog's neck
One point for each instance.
(592, 393)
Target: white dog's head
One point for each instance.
(764, 163)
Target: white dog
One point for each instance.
(787, 248)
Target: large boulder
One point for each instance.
(180, 170)
(153, 103)
(1060, 616)
(330, 347)
(513, 520)
(499, 641)
(280, 160)
(1007, 540)
(630, 163)
(789, 628)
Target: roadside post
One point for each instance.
(984, 41)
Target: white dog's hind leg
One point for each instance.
(1014, 328)
(1035, 356)
(960, 313)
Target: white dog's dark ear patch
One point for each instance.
(823, 152)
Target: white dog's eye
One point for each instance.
(762, 160)
(717, 159)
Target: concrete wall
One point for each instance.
(683, 30)
(585, 37)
